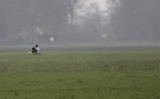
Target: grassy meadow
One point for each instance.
(81, 74)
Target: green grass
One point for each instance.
(85, 74)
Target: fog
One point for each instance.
(52, 22)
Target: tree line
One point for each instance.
(130, 20)
(137, 20)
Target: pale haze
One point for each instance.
(101, 3)
(53, 22)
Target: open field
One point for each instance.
(81, 74)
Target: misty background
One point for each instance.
(78, 21)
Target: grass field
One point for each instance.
(81, 74)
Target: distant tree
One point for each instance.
(3, 21)
(137, 20)
(29, 14)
